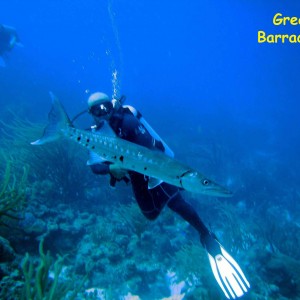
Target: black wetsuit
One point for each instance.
(150, 201)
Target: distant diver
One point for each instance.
(123, 145)
(8, 40)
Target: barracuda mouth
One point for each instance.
(219, 192)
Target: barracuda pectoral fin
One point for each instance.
(95, 159)
(153, 182)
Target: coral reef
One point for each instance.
(106, 249)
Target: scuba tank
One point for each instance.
(152, 132)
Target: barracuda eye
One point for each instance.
(205, 182)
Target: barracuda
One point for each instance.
(129, 156)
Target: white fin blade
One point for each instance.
(216, 274)
(237, 267)
(228, 273)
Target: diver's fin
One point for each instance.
(2, 62)
(58, 120)
(227, 272)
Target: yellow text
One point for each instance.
(277, 38)
(278, 19)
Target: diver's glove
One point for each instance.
(117, 174)
(227, 272)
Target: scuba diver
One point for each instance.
(127, 123)
(8, 40)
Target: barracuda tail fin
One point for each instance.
(58, 120)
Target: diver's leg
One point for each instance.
(227, 272)
(188, 213)
(150, 201)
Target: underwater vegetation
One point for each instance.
(51, 205)
(40, 284)
(12, 195)
(56, 167)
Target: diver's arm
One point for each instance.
(116, 174)
(136, 132)
(158, 143)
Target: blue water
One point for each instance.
(193, 68)
(183, 65)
